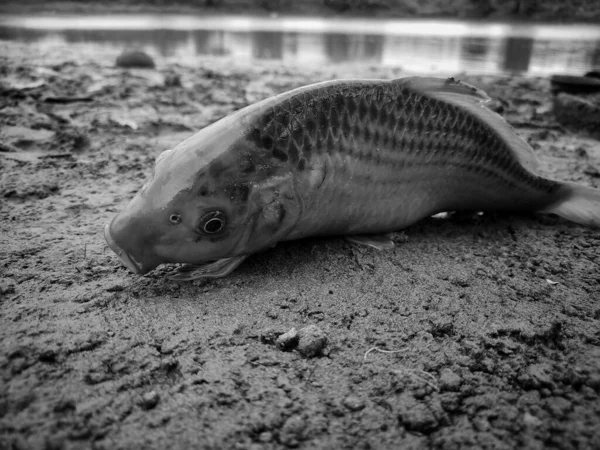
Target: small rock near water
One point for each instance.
(135, 59)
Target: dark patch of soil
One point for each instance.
(475, 332)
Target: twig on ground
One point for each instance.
(380, 350)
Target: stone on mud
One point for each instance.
(354, 403)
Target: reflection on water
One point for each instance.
(419, 46)
(517, 54)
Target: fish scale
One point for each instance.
(348, 157)
(427, 134)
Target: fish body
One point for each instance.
(345, 157)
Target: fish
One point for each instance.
(359, 158)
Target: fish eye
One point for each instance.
(175, 219)
(213, 222)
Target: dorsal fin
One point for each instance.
(447, 87)
(473, 100)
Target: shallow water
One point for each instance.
(429, 46)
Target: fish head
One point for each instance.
(184, 230)
(198, 208)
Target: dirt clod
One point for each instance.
(449, 380)
(311, 341)
(288, 340)
(269, 335)
(149, 400)
(537, 376)
(419, 418)
(292, 431)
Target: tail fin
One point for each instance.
(581, 204)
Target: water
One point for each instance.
(426, 46)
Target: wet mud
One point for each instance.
(476, 331)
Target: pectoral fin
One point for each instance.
(215, 269)
(377, 241)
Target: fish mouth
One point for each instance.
(125, 257)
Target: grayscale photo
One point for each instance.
(281, 224)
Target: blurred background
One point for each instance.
(530, 37)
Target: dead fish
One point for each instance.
(358, 158)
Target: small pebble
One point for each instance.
(354, 403)
(288, 340)
(311, 341)
(149, 400)
(265, 436)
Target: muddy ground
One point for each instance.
(475, 332)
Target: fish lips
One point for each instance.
(133, 265)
